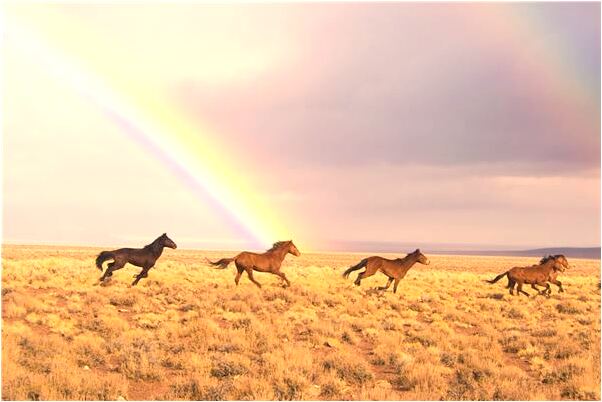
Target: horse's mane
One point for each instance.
(154, 244)
(278, 244)
(407, 255)
(547, 258)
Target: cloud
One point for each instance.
(456, 204)
(390, 122)
(410, 85)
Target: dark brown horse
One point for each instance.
(534, 275)
(270, 261)
(140, 257)
(394, 269)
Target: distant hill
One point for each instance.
(458, 249)
(574, 252)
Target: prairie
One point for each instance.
(187, 332)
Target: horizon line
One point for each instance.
(363, 247)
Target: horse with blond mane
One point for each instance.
(270, 261)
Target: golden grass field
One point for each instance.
(186, 332)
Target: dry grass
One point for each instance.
(187, 332)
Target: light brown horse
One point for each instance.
(553, 275)
(534, 275)
(270, 261)
(395, 269)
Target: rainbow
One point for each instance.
(207, 166)
(524, 38)
(194, 155)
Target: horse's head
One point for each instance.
(421, 258)
(561, 263)
(167, 242)
(293, 249)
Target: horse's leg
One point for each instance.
(142, 274)
(250, 274)
(520, 290)
(533, 286)
(395, 285)
(389, 282)
(368, 272)
(547, 290)
(108, 272)
(557, 283)
(239, 271)
(281, 275)
(511, 283)
(113, 266)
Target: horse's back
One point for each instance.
(259, 262)
(381, 263)
(529, 274)
(381, 260)
(135, 256)
(247, 258)
(124, 251)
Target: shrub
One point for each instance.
(227, 369)
(568, 308)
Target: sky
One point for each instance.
(466, 126)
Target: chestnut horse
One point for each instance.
(394, 269)
(553, 275)
(140, 257)
(534, 275)
(270, 261)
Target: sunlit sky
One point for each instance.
(442, 125)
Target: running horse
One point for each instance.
(546, 271)
(270, 261)
(395, 269)
(554, 274)
(141, 257)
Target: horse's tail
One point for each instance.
(361, 264)
(222, 264)
(497, 278)
(102, 257)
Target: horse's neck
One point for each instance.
(156, 248)
(280, 253)
(408, 261)
(548, 266)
